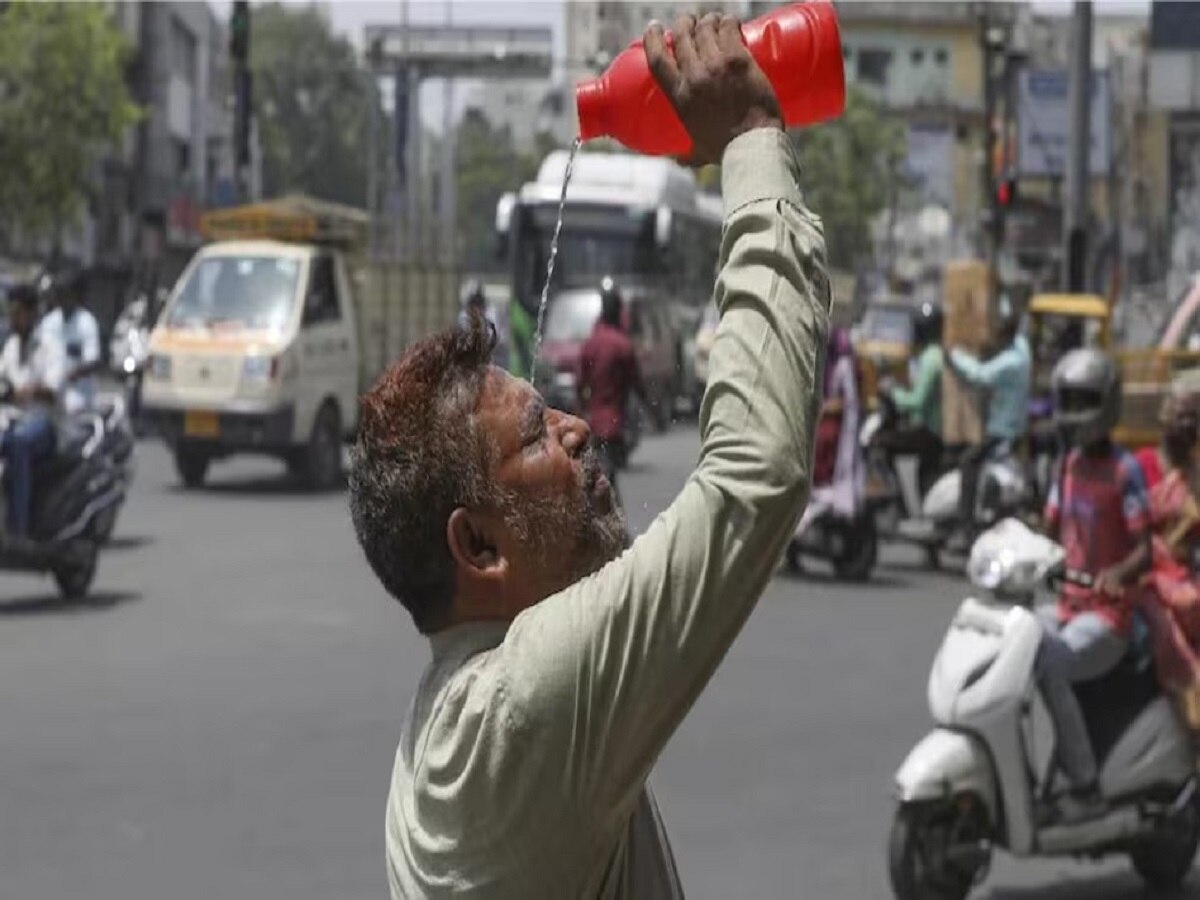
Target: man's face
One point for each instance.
(561, 520)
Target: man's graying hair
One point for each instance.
(419, 456)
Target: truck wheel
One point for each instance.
(319, 464)
(192, 466)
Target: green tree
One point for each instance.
(312, 101)
(488, 166)
(63, 99)
(851, 174)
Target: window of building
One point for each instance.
(941, 56)
(183, 52)
(873, 65)
(183, 158)
(917, 56)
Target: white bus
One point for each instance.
(641, 220)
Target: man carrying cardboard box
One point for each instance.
(1005, 377)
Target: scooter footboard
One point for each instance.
(946, 763)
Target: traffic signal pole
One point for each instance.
(1075, 220)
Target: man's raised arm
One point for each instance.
(604, 671)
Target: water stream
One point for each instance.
(562, 202)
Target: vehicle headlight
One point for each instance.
(159, 366)
(260, 368)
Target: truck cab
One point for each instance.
(257, 349)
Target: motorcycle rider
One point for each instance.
(608, 374)
(1005, 376)
(921, 435)
(79, 335)
(1098, 511)
(33, 366)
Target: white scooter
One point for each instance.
(985, 778)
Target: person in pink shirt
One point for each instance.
(1098, 511)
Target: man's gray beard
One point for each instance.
(571, 530)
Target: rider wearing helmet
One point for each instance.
(1097, 509)
(1005, 378)
(922, 403)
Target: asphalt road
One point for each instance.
(219, 722)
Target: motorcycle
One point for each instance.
(128, 350)
(73, 490)
(984, 776)
(117, 446)
(929, 521)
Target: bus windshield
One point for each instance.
(594, 242)
(255, 292)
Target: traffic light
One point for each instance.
(239, 32)
(1006, 192)
(243, 90)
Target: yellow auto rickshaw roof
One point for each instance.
(1076, 306)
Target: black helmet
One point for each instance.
(1087, 395)
(927, 324)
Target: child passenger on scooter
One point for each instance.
(1097, 509)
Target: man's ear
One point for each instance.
(472, 541)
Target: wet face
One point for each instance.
(560, 521)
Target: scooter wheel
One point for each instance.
(861, 552)
(75, 579)
(1164, 859)
(918, 863)
(794, 563)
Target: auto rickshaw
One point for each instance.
(883, 344)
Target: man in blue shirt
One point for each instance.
(1005, 378)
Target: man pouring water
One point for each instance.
(560, 665)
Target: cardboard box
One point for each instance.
(969, 323)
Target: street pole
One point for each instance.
(1075, 220)
(987, 184)
(449, 156)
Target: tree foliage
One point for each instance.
(851, 173)
(63, 99)
(312, 102)
(488, 166)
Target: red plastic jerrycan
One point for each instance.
(797, 47)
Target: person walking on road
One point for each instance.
(561, 666)
(608, 375)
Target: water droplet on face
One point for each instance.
(562, 203)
